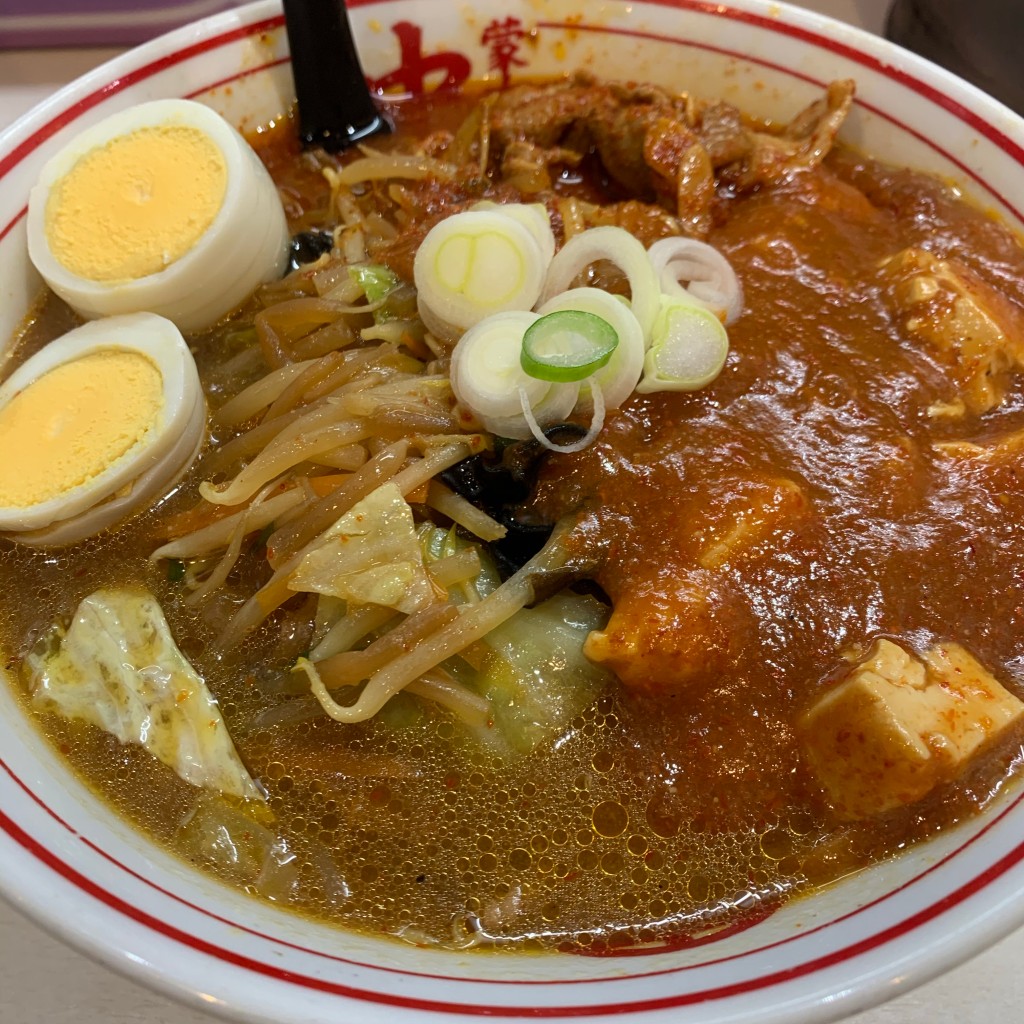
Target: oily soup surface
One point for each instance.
(657, 815)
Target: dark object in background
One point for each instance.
(37, 23)
(335, 106)
(980, 40)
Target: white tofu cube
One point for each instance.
(899, 725)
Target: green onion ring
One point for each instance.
(567, 345)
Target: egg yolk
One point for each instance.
(72, 423)
(134, 206)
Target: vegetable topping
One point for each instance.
(567, 345)
(474, 264)
(710, 280)
(117, 666)
(477, 274)
(687, 351)
(619, 247)
(618, 377)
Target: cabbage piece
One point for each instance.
(237, 843)
(376, 280)
(537, 677)
(117, 667)
(370, 556)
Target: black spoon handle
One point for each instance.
(335, 106)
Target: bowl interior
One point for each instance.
(72, 864)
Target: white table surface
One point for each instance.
(45, 982)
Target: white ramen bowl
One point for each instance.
(75, 867)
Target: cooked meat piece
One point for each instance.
(723, 135)
(654, 144)
(619, 134)
(539, 113)
(964, 322)
(528, 167)
(641, 135)
(621, 122)
(645, 143)
(803, 143)
(632, 94)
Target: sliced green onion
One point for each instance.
(695, 271)
(485, 368)
(376, 280)
(596, 422)
(619, 247)
(378, 283)
(619, 376)
(567, 345)
(474, 264)
(555, 407)
(688, 348)
(533, 216)
(487, 377)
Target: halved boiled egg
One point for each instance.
(163, 208)
(95, 426)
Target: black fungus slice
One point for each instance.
(500, 483)
(308, 247)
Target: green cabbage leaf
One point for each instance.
(537, 678)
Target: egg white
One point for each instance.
(246, 245)
(147, 469)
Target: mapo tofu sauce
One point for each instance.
(848, 477)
